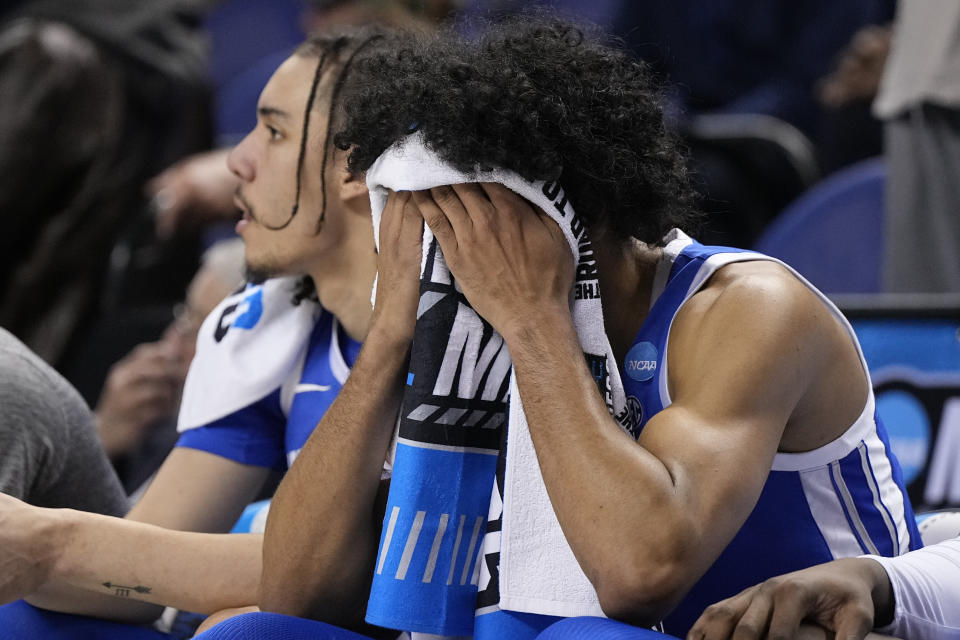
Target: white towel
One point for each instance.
(538, 571)
(247, 347)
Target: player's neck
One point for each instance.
(343, 287)
(626, 272)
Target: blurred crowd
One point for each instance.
(117, 117)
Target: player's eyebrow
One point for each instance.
(273, 111)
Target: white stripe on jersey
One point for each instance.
(890, 496)
(301, 388)
(825, 507)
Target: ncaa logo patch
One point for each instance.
(641, 362)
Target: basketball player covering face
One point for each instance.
(758, 427)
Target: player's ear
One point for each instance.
(353, 186)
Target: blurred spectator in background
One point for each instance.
(271, 29)
(218, 467)
(322, 14)
(920, 102)
(98, 96)
(738, 57)
(848, 130)
(137, 410)
(49, 452)
(196, 190)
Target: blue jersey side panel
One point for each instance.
(318, 385)
(916, 542)
(779, 536)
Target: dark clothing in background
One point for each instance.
(106, 94)
(50, 455)
(745, 56)
(754, 57)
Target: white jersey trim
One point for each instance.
(862, 427)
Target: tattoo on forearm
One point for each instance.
(124, 591)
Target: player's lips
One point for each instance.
(245, 209)
(245, 218)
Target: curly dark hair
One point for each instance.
(537, 95)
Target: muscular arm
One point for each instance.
(322, 530)
(736, 368)
(160, 547)
(321, 533)
(683, 490)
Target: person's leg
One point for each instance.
(587, 628)
(922, 226)
(20, 621)
(267, 626)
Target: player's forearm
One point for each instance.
(134, 565)
(321, 534)
(601, 483)
(57, 595)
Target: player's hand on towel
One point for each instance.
(511, 260)
(398, 267)
(844, 596)
(27, 547)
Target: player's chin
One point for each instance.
(258, 270)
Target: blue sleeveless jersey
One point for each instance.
(846, 498)
(271, 431)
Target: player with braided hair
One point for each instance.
(270, 359)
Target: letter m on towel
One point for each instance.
(461, 374)
(465, 362)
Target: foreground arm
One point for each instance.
(847, 597)
(681, 495)
(322, 532)
(915, 596)
(199, 572)
(125, 569)
(925, 591)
